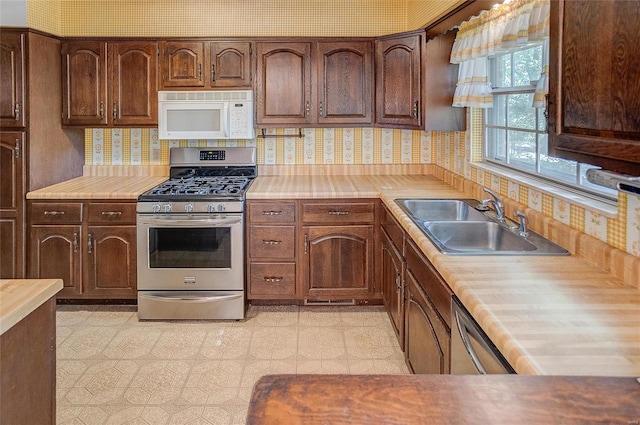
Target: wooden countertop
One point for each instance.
(547, 315)
(443, 399)
(19, 297)
(98, 187)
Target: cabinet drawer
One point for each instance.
(337, 212)
(112, 213)
(272, 279)
(55, 213)
(272, 212)
(393, 228)
(272, 242)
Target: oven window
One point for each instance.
(191, 248)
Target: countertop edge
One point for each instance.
(15, 288)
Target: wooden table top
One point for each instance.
(443, 399)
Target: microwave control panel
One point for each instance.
(241, 120)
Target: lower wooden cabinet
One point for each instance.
(392, 280)
(90, 245)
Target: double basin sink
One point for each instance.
(456, 227)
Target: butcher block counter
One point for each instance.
(443, 399)
(28, 351)
(547, 315)
(98, 187)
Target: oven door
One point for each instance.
(190, 253)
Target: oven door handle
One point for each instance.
(210, 222)
(191, 299)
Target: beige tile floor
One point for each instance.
(113, 369)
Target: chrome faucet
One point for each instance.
(497, 204)
(523, 223)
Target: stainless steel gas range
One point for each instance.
(191, 236)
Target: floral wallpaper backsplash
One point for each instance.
(451, 150)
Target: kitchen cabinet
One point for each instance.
(28, 368)
(283, 84)
(392, 274)
(338, 250)
(12, 205)
(29, 135)
(594, 83)
(12, 83)
(314, 83)
(109, 83)
(205, 65)
(90, 245)
(398, 80)
(427, 316)
(271, 236)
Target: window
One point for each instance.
(515, 132)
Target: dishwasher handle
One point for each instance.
(464, 334)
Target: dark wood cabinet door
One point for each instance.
(398, 81)
(427, 339)
(339, 261)
(12, 204)
(84, 83)
(345, 82)
(12, 79)
(133, 83)
(283, 84)
(111, 262)
(230, 64)
(183, 64)
(594, 83)
(392, 277)
(55, 253)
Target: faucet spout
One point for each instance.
(497, 204)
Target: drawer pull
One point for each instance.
(338, 212)
(111, 213)
(54, 213)
(273, 279)
(271, 212)
(271, 242)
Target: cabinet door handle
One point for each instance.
(90, 243)
(54, 213)
(101, 109)
(306, 243)
(75, 241)
(271, 242)
(546, 112)
(111, 213)
(273, 278)
(115, 110)
(17, 151)
(16, 111)
(338, 213)
(271, 212)
(213, 72)
(321, 110)
(200, 71)
(307, 109)
(415, 109)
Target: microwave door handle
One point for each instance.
(192, 223)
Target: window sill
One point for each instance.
(607, 209)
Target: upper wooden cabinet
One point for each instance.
(109, 84)
(594, 84)
(398, 80)
(345, 82)
(315, 83)
(205, 64)
(12, 80)
(283, 84)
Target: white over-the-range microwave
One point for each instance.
(205, 114)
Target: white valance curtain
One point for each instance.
(504, 28)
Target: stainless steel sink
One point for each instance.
(456, 227)
(442, 209)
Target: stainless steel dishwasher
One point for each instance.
(472, 352)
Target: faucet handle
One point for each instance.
(523, 223)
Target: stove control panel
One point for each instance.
(177, 208)
(211, 155)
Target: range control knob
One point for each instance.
(156, 208)
(222, 207)
(188, 208)
(167, 208)
(211, 208)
